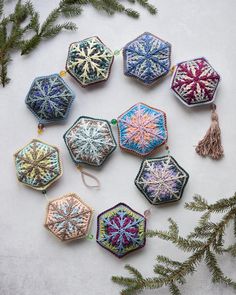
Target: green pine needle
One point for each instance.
(205, 243)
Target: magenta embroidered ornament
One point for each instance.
(195, 83)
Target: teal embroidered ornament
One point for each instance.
(68, 217)
(38, 165)
(90, 141)
(195, 83)
(161, 180)
(89, 61)
(147, 58)
(49, 99)
(121, 230)
(142, 129)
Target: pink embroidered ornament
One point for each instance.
(195, 83)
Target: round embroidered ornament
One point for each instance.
(147, 58)
(49, 99)
(38, 165)
(89, 61)
(142, 129)
(68, 218)
(121, 230)
(161, 180)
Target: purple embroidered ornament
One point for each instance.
(161, 180)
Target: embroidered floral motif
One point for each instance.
(161, 180)
(121, 230)
(68, 217)
(90, 141)
(49, 99)
(195, 82)
(147, 58)
(89, 61)
(142, 129)
(38, 164)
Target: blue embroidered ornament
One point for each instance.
(121, 230)
(142, 129)
(161, 180)
(89, 61)
(49, 99)
(147, 58)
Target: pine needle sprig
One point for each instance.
(24, 21)
(205, 243)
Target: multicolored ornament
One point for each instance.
(161, 180)
(195, 82)
(147, 58)
(49, 99)
(90, 141)
(121, 230)
(142, 129)
(38, 165)
(68, 217)
(89, 61)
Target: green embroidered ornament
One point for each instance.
(89, 61)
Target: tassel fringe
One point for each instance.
(211, 145)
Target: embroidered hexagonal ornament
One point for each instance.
(195, 82)
(68, 217)
(121, 230)
(90, 141)
(142, 129)
(89, 61)
(49, 99)
(161, 180)
(147, 58)
(38, 165)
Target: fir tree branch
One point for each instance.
(204, 243)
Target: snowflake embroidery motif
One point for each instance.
(195, 82)
(90, 141)
(161, 180)
(142, 129)
(49, 99)
(89, 61)
(121, 230)
(147, 58)
(68, 217)
(38, 165)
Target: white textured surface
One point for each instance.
(31, 260)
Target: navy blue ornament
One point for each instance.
(147, 58)
(49, 99)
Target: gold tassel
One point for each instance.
(210, 145)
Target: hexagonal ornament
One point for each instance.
(195, 82)
(90, 141)
(121, 230)
(38, 165)
(68, 218)
(142, 129)
(89, 61)
(147, 58)
(161, 180)
(49, 99)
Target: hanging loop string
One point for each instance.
(85, 174)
